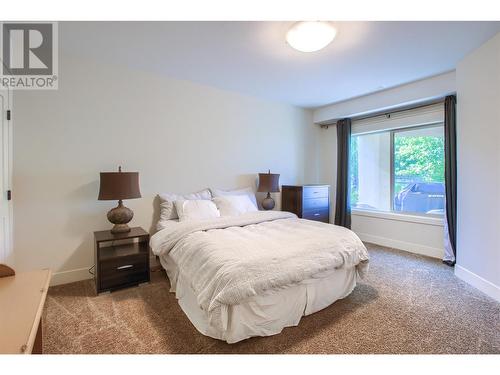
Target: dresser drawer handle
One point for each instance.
(125, 267)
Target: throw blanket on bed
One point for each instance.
(230, 259)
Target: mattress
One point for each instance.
(267, 313)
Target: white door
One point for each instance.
(6, 249)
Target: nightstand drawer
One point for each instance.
(314, 204)
(124, 279)
(315, 192)
(136, 261)
(123, 271)
(318, 215)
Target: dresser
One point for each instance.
(22, 297)
(310, 202)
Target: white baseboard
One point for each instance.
(415, 248)
(485, 286)
(462, 273)
(70, 276)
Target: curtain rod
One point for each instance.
(395, 110)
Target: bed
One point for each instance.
(256, 273)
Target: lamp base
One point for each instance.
(120, 228)
(120, 216)
(268, 203)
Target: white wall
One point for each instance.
(405, 95)
(478, 138)
(180, 136)
(327, 162)
(414, 234)
(374, 170)
(418, 236)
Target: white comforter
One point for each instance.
(230, 259)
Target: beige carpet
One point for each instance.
(407, 304)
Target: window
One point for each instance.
(398, 170)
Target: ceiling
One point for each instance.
(253, 57)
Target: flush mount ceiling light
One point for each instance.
(310, 36)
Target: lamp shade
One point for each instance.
(119, 185)
(269, 182)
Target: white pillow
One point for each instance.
(167, 209)
(245, 191)
(198, 209)
(234, 205)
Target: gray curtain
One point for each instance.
(342, 206)
(450, 177)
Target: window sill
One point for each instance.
(419, 219)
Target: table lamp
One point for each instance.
(268, 182)
(117, 186)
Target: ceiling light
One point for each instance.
(310, 36)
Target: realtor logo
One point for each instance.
(29, 55)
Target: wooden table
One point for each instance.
(22, 297)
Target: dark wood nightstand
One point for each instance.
(310, 202)
(121, 260)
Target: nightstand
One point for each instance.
(121, 260)
(310, 202)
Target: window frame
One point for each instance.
(392, 213)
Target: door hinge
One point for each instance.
(8, 114)
(9, 195)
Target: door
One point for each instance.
(6, 249)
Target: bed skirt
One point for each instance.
(266, 314)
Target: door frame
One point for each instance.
(6, 207)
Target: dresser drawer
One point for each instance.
(314, 203)
(315, 192)
(124, 271)
(322, 215)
